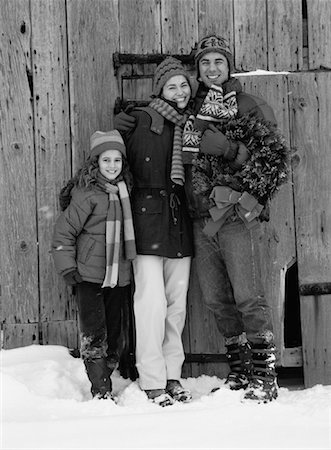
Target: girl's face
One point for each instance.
(214, 69)
(177, 89)
(110, 164)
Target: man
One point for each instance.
(228, 194)
(234, 162)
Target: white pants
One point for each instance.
(160, 311)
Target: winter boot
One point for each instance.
(160, 397)
(99, 375)
(263, 385)
(239, 359)
(178, 392)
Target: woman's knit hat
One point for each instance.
(109, 140)
(168, 68)
(214, 43)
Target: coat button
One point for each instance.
(143, 209)
(179, 254)
(147, 159)
(163, 192)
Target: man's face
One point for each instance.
(214, 69)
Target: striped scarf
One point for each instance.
(177, 173)
(119, 210)
(216, 107)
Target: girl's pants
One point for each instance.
(99, 312)
(160, 310)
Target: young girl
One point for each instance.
(163, 234)
(93, 246)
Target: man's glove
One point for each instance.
(124, 122)
(214, 142)
(72, 278)
(242, 156)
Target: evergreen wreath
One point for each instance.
(261, 175)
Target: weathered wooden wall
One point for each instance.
(58, 85)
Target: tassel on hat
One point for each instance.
(109, 140)
(168, 68)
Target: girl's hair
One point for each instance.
(86, 176)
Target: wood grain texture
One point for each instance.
(250, 35)
(52, 143)
(18, 239)
(179, 22)
(62, 332)
(216, 16)
(20, 335)
(140, 27)
(319, 33)
(93, 37)
(284, 24)
(311, 137)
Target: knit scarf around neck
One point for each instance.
(167, 111)
(119, 211)
(213, 105)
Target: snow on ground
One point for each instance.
(46, 404)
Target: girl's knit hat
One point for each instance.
(214, 43)
(109, 140)
(168, 68)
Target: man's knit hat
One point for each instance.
(214, 43)
(109, 140)
(168, 68)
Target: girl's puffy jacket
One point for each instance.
(79, 240)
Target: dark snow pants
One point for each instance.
(100, 316)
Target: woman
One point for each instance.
(163, 233)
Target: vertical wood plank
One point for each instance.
(64, 332)
(52, 138)
(93, 37)
(316, 337)
(203, 335)
(319, 33)
(284, 35)
(140, 26)
(18, 239)
(250, 35)
(216, 16)
(179, 22)
(20, 335)
(311, 137)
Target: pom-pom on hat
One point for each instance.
(168, 68)
(109, 140)
(214, 43)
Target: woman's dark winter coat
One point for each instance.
(161, 221)
(79, 240)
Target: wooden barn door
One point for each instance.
(182, 23)
(19, 294)
(35, 162)
(311, 138)
(204, 346)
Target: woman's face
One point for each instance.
(177, 89)
(213, 69)
(110, 164)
